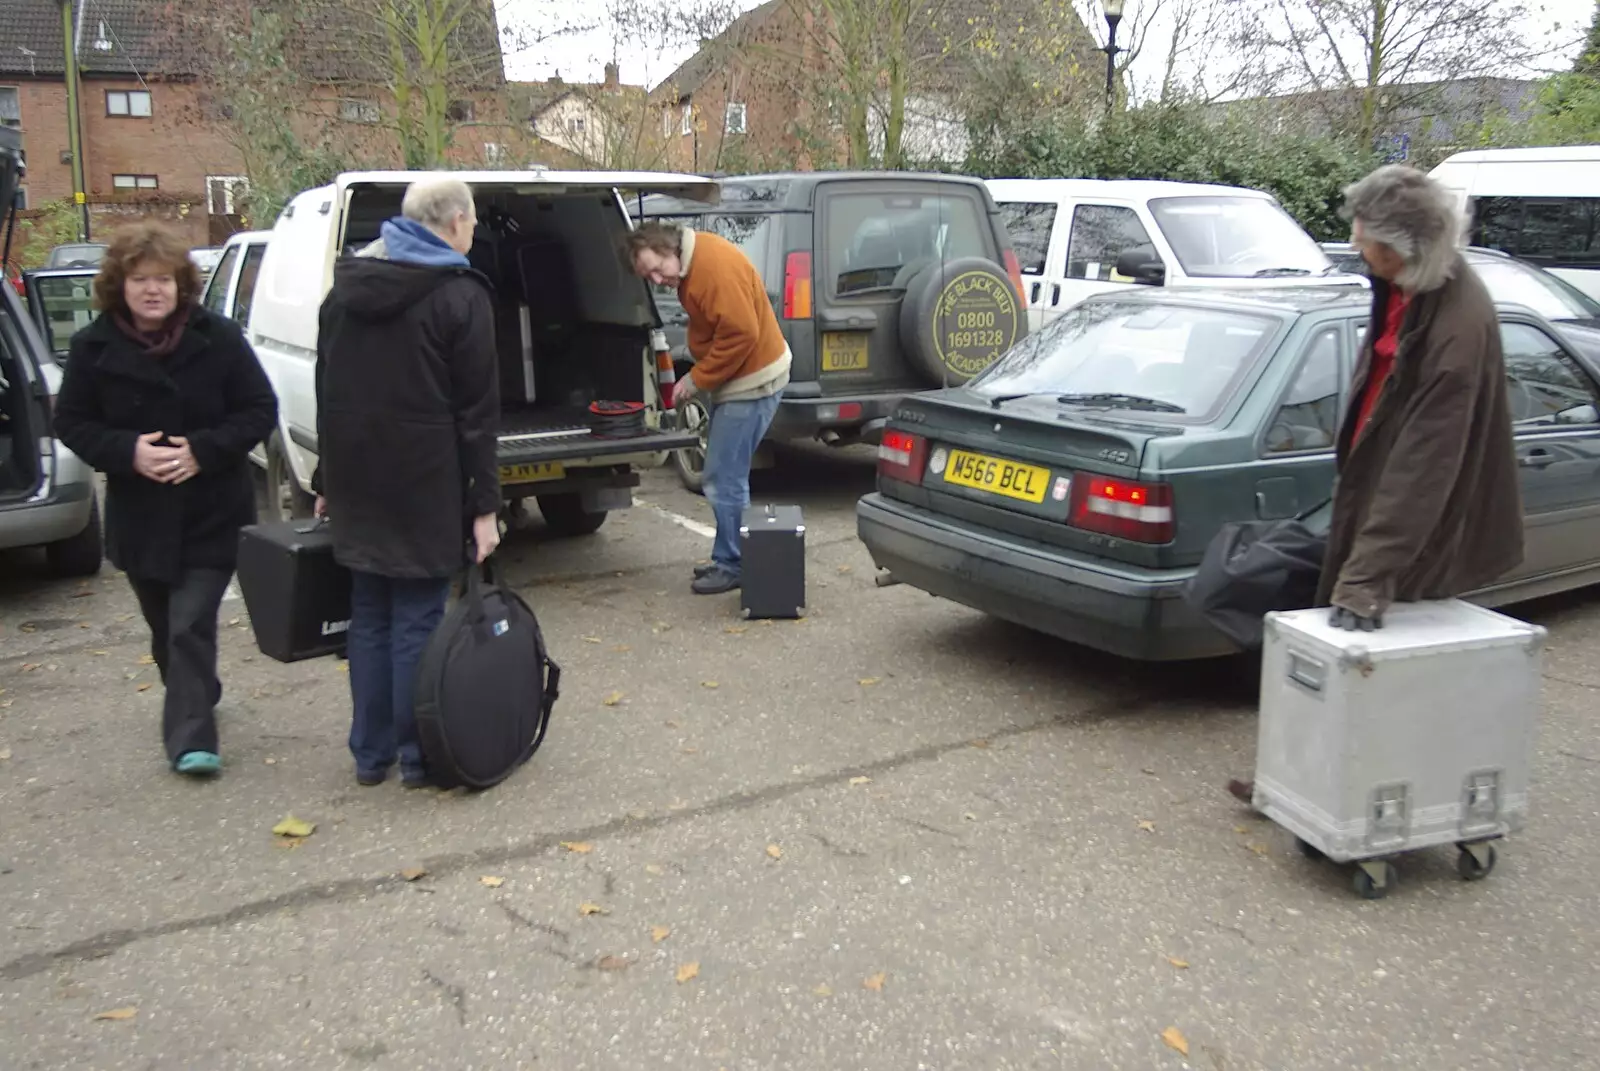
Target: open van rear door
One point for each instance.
(11, 170)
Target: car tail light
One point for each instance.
(797, 287)
(1014, 269)
(666, 375)
(901, 456)
(842, 411)
(1123, 508)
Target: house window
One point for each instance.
(666, 122)
(687, 126)
(10, 106)
(575, 125)
(460, 111)
(128, 103)
(135, 182)
(358, 111)
(225, 194)
(494, 154)
(733, 118)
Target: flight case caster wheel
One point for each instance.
(1374, 880)
(1475, 861)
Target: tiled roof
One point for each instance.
(332, 40)
(694, 72)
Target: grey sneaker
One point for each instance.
(716, 581)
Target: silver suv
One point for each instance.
(47, 493)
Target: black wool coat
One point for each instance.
(210, 390)
(408, 407)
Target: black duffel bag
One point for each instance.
(1253, 568)
(485, 686)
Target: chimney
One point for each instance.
(612, 75)
(554, 79)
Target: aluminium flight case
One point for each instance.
(1417, 734)
(772, 545)
(297, 595)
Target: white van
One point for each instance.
(573, 326)
(231, 289)
(1539, 205)
(1076, 237)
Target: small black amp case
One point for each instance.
(772, 543)
(297, 595)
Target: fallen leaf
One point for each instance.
(1258, 847)
(775, 851)
(344, 667)
(612, 963)
(270, 761)
(875, 983)
(1147, 825)
(622, 648)
(688, 971)
(613, 699)
(145, 687)
(861, 780)
(412, 873)
(591, 639)
(590, 909)
(659, 933)
(1181, 964)
(1175, 1040)
(119, 1015)
(653, 870)
(294, 827)
(691, 751)
(29, 667)
(100, 653)
(1148, 770)
(233, 622)
(979, 743)
(1240, 829)
(52, 667)
(709, 684)
(581, 847)
(27, 628)
(843, 569)
(491, 881)
(289, 842)
(868, 682)
(669, 723)
(84, 625)
(5, 754)
(82, 594)
(147, 660)
(736, 630)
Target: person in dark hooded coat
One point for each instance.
(407, 411)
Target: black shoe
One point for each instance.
(368, 778)
(715, 581)
(416, 779)
(703, 568)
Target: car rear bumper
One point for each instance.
(1138, 614)
(852, 416)
(61, 514)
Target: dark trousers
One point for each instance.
(391, 622)
(183, 641)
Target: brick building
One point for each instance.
(767, 93)
(157, 135)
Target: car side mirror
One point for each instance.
(1142, 266)
(1579, 414)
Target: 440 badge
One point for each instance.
(975, 320)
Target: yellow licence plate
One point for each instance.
(532, 472)
(1025, 482)
(843, 352)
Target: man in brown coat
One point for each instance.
(1427, 503)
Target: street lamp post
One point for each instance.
(1113, 9)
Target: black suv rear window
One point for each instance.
(873, 237)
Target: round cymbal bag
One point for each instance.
(485, 686)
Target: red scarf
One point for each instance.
(158, 343)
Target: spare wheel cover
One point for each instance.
(958, 318)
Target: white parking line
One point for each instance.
(678, 519)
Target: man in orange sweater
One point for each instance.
(741, 365)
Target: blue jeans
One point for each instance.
(390, 623)
(737, 428)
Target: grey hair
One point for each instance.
(436, 201)
(1412, 214)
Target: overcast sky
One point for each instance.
(582, 57)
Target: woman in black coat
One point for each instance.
(168, 400)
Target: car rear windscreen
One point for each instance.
(879, 241)
(1178, 361)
